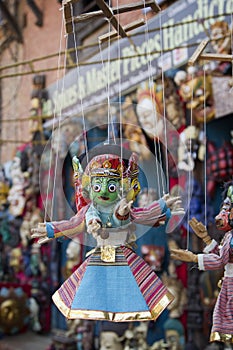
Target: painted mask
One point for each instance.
(104, 190)
(224, 220)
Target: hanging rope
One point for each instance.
(53, 128)
(80, 95)
(164, 116)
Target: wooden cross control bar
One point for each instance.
(198, 54)
(107, 12)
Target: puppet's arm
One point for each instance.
(93, 221)
(158, 211)
(209, 261)
(200, 230)
(55, 229)
(123, 208)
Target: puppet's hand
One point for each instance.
(124, 207)
(174, 203)
(200, 230)
(93, 227)
(40, 232)
(183, 255)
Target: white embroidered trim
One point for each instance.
(210, 247)
(228, 270)
(200, 262)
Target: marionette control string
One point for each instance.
(119, 95)
(79, 87)
(110, 119)
(189, 156)
(205, 156)
(151, 89)
(152, 96)
(53, 128)
(231, 38)
(164, 109)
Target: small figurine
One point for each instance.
(110, 341)
(215, 257)
(113, 283)
(174, 334)
(16, 197)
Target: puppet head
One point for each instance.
(220, 37)
(107, 177)
(224, 220)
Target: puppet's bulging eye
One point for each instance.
(112, 188)
(96, 188)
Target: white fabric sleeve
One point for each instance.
(210, 247)
(200, 262)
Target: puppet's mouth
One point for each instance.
(104, 198)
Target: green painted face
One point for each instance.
(104, 190)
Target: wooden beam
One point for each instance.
(127, 28)
(216, 57)
(118, 10)
(136, 6)
(195, 56)
(111, 17)
(210, 56)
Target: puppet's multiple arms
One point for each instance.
(120, 217)
(158, 211)
(47, 231)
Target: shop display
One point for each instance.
(169, 113)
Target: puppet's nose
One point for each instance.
(218, 221)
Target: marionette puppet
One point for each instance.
(112, 283)
(216, 256)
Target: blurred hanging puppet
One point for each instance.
(113, 283)
(215, 257)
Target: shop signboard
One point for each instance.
(165, 42)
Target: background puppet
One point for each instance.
(113, 283)
(217, 256)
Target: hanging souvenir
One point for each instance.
(216, 257)
(113, 283)
(219, 166)
(221, 41)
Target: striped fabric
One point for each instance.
(73, 226)
(150, 215)
(120, 259)
(150, 285)
(223, 310)
(124, 288)
(69, 287)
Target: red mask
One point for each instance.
(222, 219)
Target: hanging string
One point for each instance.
(164, 111)
(190, 171)
(152, 94)
(53, 128)
(231, 38)
(110, 119)
(205, 157)
(120, 96)
(80, 93)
